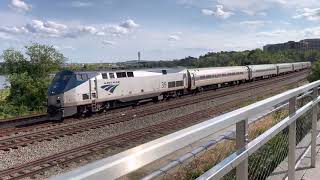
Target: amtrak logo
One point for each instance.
(110, 87)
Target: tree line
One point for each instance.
(29, 71)
(240, 58)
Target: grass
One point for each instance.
(261, 163)
(213, 156)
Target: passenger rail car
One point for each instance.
(284, 68)
(262, 71)
(205, 77)
(74, 92)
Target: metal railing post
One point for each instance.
(314, 128)
(292, 141)
(241, 141)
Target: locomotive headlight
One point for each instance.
(58, 100)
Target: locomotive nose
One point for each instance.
(54, 105)
(55, 100)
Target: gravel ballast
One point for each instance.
(39, 150)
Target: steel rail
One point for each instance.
(69, 129)
(229, 135)
(30, 119)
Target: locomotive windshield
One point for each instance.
(59, 82)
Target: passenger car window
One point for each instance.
(121, 74)
(130, 74)
(111, 75)
(171, 84)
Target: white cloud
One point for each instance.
(283, 2)
(207, 12)
(309, 14)
(88, 29)
(46, 28)
(254, 13)
(114, 30)
(13, 30)
(54, 29)
(254, 24)
(66, 47)
(254, 7)
(109, 43)
(80, 4)
(6, 36)
(173, 38)
(129, 24)
(20, 6)
(219, 12)
(312, 32)
(272, 33)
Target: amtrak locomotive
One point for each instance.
(73, 92)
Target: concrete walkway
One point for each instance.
(304, 171)
(303, 168)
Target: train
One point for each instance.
(76, 92)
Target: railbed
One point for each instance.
(128, 161)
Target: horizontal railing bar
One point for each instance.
(187, 156)
(210, 143)
(235, 159)
(123, 163)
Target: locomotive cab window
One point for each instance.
(104, 76)
(82, 77)
(121, 74)
(130, 74)
(111, 75)
(85, 96)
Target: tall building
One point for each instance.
(306, 44)
(139, 56)
(312, 43)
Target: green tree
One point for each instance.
(315, 73)
(29, 73)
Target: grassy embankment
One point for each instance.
(261, 163)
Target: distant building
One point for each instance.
(306, 44)
(312, 43)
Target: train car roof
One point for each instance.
(155, 70)
(213, 68)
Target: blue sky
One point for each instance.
(115, 30)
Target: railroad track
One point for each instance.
(23, 120)
(73, 128)
(6, 131)
(32, 119)
(120, 141)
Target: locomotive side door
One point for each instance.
(93, 88)
(93, 94)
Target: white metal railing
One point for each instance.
(130, 160)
